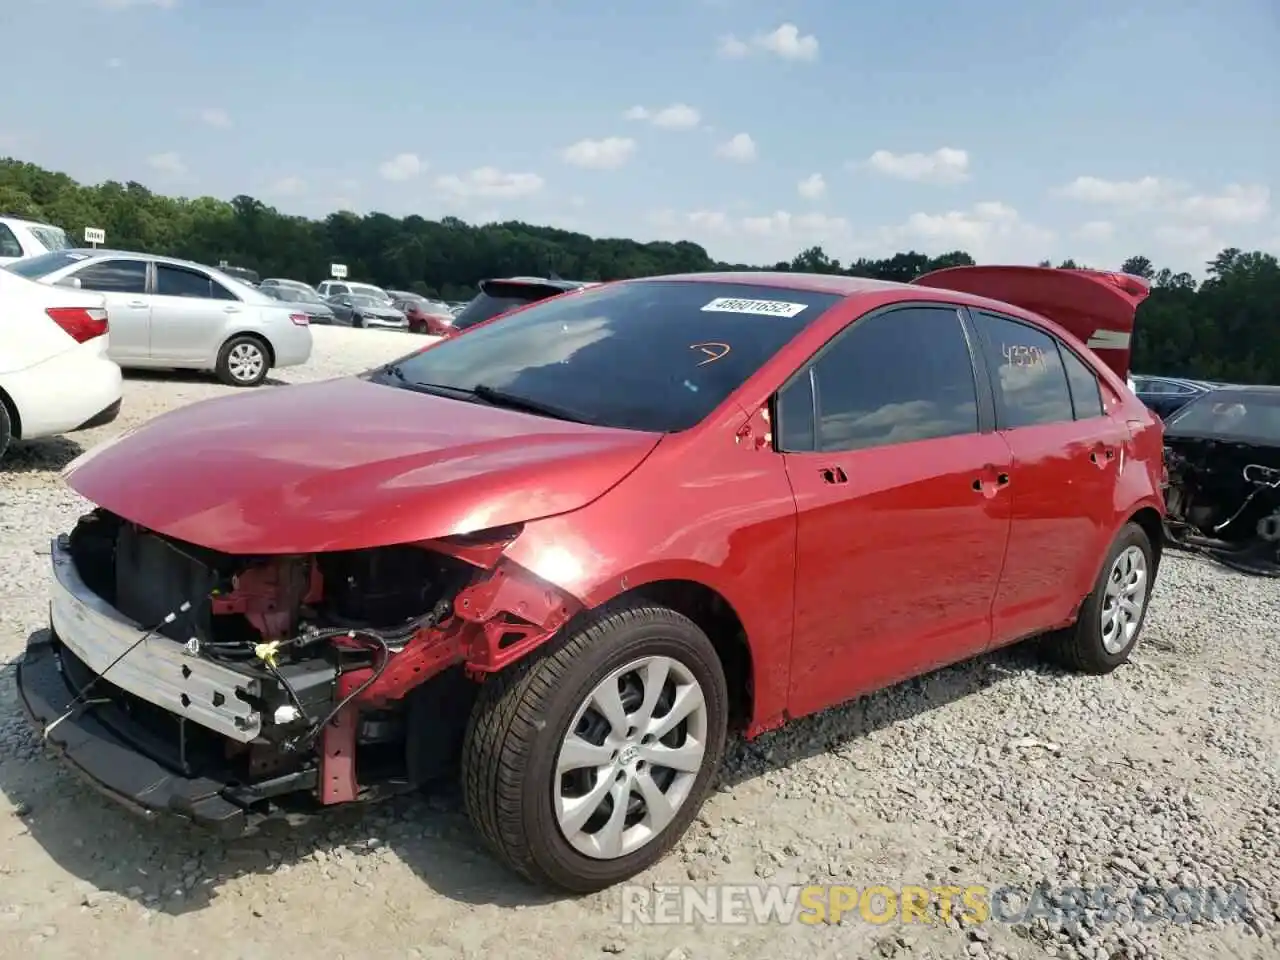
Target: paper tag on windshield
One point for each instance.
(759, 308)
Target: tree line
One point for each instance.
(1225, 327)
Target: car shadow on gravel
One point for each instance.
(171, 868)
(39, 456)
(188, 376)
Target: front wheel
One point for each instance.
(583, 767)
(6, 431)
(357, 320)
(1112, 616)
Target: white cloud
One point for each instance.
(757, 239)
(169, 163)
(1235, 204)
(1191, 238)
(944, 165)
(287, 187)
(401, 167)
(739, 148)
(490, 183)
(990, 231)
(1096, 231)
(1143, 192)
(607, 154)
(678, 116)
(786, 42)
(812, 187)
(215, 117)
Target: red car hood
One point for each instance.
(346, 464)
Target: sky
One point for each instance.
(1015, 131)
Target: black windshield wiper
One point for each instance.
(500, 398)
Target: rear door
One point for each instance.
(1066, 453)
(189, 313)
(123, 283)
(889, 444)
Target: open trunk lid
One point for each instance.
(1095, 306)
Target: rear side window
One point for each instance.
(114, 276)
(1029, 380)
(890, 378)
(53, 238)
(9, 245)
(1086, 395)
(652, 355)
(176, 282)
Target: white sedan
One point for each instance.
(55, 376)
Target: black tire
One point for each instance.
(1081, 647)
(6, 430)
(521, 716)
(233, 347)
(357, 320)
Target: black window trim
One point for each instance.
(977, 361)
(993, 384)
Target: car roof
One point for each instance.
(839, 284)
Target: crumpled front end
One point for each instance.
(225, 688)
(1224, 500)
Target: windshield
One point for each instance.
(1231, 415)
(35, 267)
(647, 355)
(499, 298)
(53, 238)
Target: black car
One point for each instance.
(499, 296)
(1222, 454)
(1164, 396)
(308, 302)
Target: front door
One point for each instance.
(190, 312)
(901, 491)
(1066, 452)
(123, 284)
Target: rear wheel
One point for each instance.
(243, 362)
(1112, 616)
(583, 767)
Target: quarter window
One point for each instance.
(891, 378)
(114, 276)
(1086, 395)
(1029, 380)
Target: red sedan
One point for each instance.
(564, 556)
(426, 316)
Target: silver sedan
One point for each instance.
(167, 313)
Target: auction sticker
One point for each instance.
(759, 308)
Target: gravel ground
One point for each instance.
(996, 772)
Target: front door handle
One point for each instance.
(231, 309)
(833, 475)
(137, 303)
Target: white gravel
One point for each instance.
(999, 772)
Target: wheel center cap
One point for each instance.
(628, 755)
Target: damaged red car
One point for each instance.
(565, 556)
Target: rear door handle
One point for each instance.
(231, 308)
(1101, 456)
(137, 303)
(990, 483)
(833, 475)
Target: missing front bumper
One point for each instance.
(101, 751)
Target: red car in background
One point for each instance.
(426, 316)
(563, 556)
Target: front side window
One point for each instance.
(114, 276)
(894, 377)
(645, 355)
(177, 282)
(1030, 383)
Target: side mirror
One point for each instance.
(72, 282)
